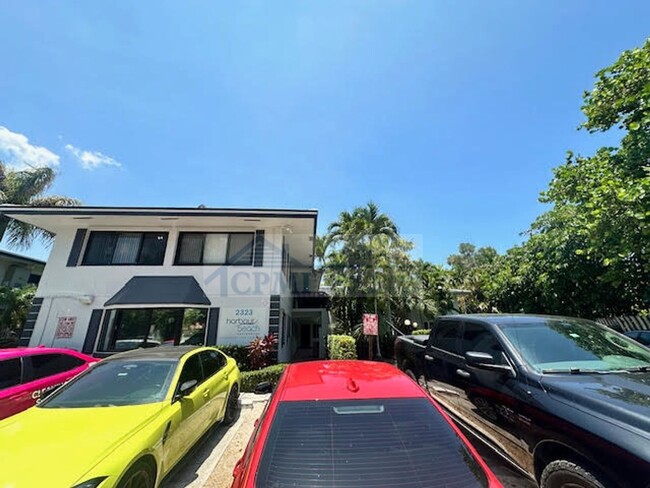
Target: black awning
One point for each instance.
(160, 290)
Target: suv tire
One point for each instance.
(567, 474)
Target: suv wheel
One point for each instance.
(566, 474)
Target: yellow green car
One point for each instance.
(123, 423)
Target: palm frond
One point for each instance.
(21, 187)
(54, 201)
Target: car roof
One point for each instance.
(15, 352)
(169, 353)
(344, 380)
(512, 319)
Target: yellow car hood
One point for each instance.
(54, 447)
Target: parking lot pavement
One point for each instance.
(211, 461)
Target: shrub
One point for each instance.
(239, 354)
(341, 347)
(250, 379)
(421, 332)
(260, 351)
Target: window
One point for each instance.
(9, 373)
(116, 382)
(123, 248)
(191, 370)
(644, 338)
(401, 442)
(562, 345)
(149, 327)
(215, 248)
(34, 279)
(212, 362)
(446, 336)
(44, 365)
(479, 339)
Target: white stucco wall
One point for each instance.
(76, 291)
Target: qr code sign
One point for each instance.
(65, 327)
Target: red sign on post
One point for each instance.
(371, 324)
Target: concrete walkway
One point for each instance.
(216, 450)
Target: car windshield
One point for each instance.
(370, 443)
(575, 346)
(116, 383)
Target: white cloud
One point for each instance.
(91, 159)
(18, 153)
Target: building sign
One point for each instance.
(239, 326)
(65, 327)
(371, 324)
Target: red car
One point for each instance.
(350, 424)
(27, 374)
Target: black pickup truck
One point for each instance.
(567, 401)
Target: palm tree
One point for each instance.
(26, 188)
(359, 230)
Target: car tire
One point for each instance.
(232, 406)
(567, 474)
(141, 475)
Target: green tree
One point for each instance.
(589, 255)
(14, 305)
(27, 188)
(471, 269)
(369, 267)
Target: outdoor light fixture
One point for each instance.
(86, 299)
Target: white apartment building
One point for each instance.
(119, 278)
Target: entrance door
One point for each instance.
(305, 336)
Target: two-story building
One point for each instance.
(17, 271)
(122, 278)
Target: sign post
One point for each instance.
(371, 329)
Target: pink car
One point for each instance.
(28, 374)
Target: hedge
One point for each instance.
(239, 354)
(421, 332)
(250, 379)
(341, 347)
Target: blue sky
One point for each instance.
(450, 115)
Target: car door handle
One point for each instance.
(428, 358)
(462, 373)
(206, 393)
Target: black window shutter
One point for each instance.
(77, 244)
(93, 330)
(213, 324)
(30, 323)
(258, 259)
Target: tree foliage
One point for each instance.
(589, 254)
(14, 305)
(27, 188)
(369, 268)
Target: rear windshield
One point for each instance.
(365, 443)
